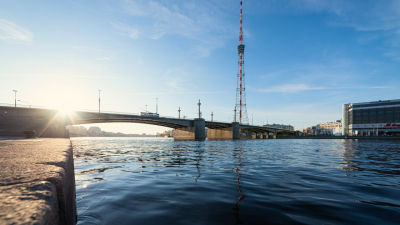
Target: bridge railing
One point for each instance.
(23, 105)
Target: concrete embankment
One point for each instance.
(341, 137)
(37, 181)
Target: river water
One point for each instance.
(162, 181)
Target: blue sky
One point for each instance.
(303, 58)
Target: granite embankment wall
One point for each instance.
(37, 181)
(342, 137)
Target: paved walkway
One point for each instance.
(37, 181)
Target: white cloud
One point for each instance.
(373, 19)
(296, 88)
(103, 58)
(290, 88)
(88, 49)
(206, 22)
(127, 30)
(12, 33)
(101, 55)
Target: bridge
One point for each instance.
(52, 123)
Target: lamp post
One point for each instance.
(156, 105)
(26, 102)
(234, 115)
(212, 115)
(179, 111)
(15, 98)
(99, 101)
(199, 104)
(252, 120)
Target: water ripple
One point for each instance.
(160, 181)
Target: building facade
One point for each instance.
(379, 118)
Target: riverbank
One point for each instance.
(340, 137)
(37, 181)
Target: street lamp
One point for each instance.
(15, 98)
(199, 104)
(252, 120)
(99, 101)
(26, 102)
(156, 105)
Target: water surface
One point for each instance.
(161, 181)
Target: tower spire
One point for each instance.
(240, 106)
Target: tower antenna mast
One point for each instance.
(240, 106)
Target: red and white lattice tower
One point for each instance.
(240, 108)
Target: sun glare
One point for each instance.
(65, 110)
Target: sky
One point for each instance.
(304, 59)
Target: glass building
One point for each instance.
(380, 118)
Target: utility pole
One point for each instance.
(179, 111)
(212, 115)
(99, 101)
(199, 108)
(156, 105)
(15, 98)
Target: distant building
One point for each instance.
(331, 125)
(372, 118)
(94, 131)
(315, 130)
(77, 130)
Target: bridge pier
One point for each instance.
(235, 130)
(226, 133)
(195, 133)
(256, 135)
(264, 136)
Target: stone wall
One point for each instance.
(37, 182)
(184, 133)
(221, 133)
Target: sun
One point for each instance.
(64, 110)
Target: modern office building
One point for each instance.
(380, 118)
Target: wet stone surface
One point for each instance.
(36, 181)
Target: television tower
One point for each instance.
(240, 107)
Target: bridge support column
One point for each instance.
(235, 130)
(199, 129)
(195, 133)
(224, 133)
(264, 136)
(273, 135)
